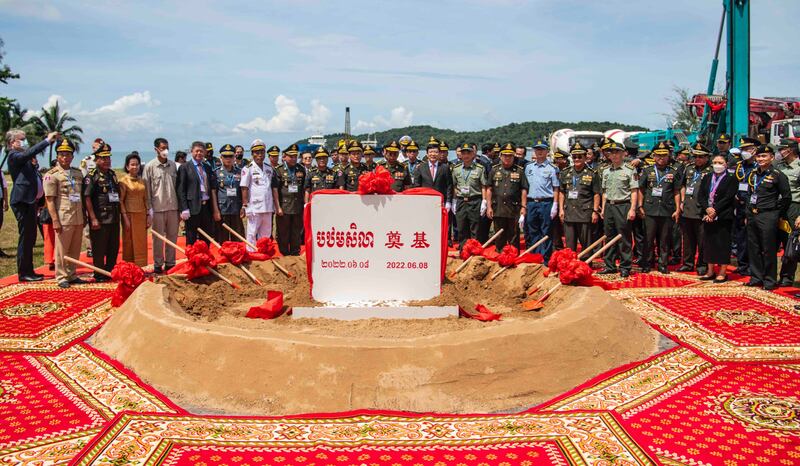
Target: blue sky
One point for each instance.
(284, 69)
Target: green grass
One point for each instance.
(8, 243)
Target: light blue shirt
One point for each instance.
(542, 179)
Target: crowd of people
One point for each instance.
(696, 207)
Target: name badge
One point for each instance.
(743, 186)
(230, 192)
(73, 197)
(113, 197)
(753, 199)
(690, 190)
(657, 192)
(572, 194)
(465, 191)
(292, 188)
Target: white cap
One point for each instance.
(735, 151)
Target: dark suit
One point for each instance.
(23, 202)
(717, 234)
(443, 182)
(190, 198)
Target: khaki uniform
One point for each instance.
(617, 184)
(63, 188)
(467, 189)
(509, 188)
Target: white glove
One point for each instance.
(521, 220)
(455, 205)
(483, 208)
(554, 210)
(185, 215)
(150, 212)
(448, 207)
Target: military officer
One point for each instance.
(340, 157)
(620, 196)
(470, 184)
(660, 205)
(259, 185)
(62, 190)
(579, 199)
(411, 153)
(240, 161)
(321, 176)
(101, 200)
(724, 148)
(769, 195)
(212, 161)
(229, 195)
(292, 179)
(444, 154)
(507, 197)
(369, 158)
(691, 216)
(348, 180)
(788, 164)
(398, 170)
(542, 205)
(742, 170)
(520, 153)
(561, 162)
(274, 154)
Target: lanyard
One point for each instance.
(659, 177)
(715, 181)
(200, 172)
(758, 181)
(465, 177)
(745, 173)
(696, 176)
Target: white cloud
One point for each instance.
(116, 117)
(125, 102)
(288, 118)
(40, 9)
(398, 118)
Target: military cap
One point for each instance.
(227, 149)
(342, 150)
(724, 137)
(662, 148)
(508, 148)
(368, 150)
(320, 152)
(699, 150)
(577, 148)
(274, 150)
(432, 143)
(403, 142)
(486, 148)
(541, 144)
(292, 150)
(466, 147)
(412, 146)
(443, 146)
(496, 147)
(605, 142)
(748, 142)
(257, 144)
(765, 149)
(788, 143)
(103, 151)
(65, 145)
(209, 147)
(685, 150)
(355, 146)
(392, 146)
(559, 154)
(613, 145)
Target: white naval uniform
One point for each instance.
(260, 205)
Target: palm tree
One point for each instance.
(53, 120)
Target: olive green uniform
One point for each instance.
(692, 218)
(579, 189)
(291, 196)
(348, 177)
(617, 184)
(792, 172)
(64, 186)
(509, 189)
(768, 200)
(103, 190)
(467, 189)
(658, 187)
(400, 175)
(316, 180)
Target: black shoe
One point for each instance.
(101, 279)
(743, 271)
(663, 269)
(786, 282)
(700, 270)
(770, 287)
(40, 275)
(77, 281)
(51, 266)
(625, 273)
(753, 283)
(63, 284)
(720, 280)
(686, 268)
(674, 261)
(607, 271)
(158, 270)
(3, 254)
(707, 277)
(645, 269)
(30, 278)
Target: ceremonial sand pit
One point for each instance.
(192, 342)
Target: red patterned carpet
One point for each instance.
(729, 394)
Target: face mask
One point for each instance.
(746, 155)
(719, 168)
(778, 157)
(23, 143)
(165, 153)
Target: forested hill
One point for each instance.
(518, 133)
